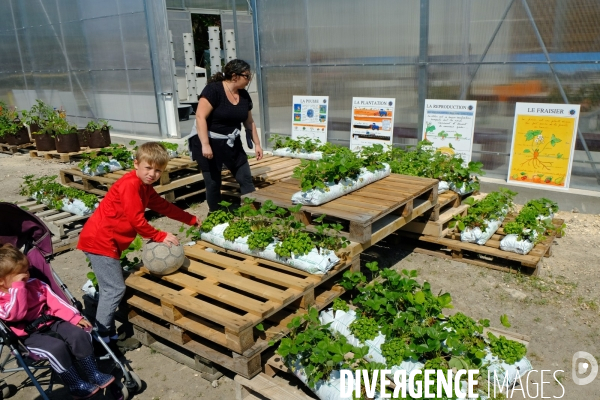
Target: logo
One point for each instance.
(470, 107)
(580, 367)
(390, 103)
(324, 101)
(572, 112)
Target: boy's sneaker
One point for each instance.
(128, 344)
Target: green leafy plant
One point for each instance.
(494, 206)
(339, 304)
(364, 328)
(136, 245)
(507, 350)
(45, 189)
(97, 125)
(424, 161)
(117, 152)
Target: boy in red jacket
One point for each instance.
(59, 336)
(117, 221)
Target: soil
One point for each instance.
(558, 309)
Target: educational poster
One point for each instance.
(543, 143)
(309, 118)
(372, 122)
(449, 125)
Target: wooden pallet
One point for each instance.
(449, 205)
(368, 214)
(182, 179)
(212, 305)
(64, 226)
(488, 255)
(180, 172)
(13, 149)
(62, 157)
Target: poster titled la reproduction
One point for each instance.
(449, 125)
(543, 143)
(372, 122)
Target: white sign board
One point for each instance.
(543, 143)
(372, 122)
(449, 125)
(309, 117)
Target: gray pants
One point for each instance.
(109, 274)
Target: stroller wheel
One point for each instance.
(6, 392)
(135, 384)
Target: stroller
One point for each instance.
(28, 233)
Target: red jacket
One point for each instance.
(25, 301)
(120, 216)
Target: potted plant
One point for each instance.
(99, 133)
(37, 119)
(65, 135)
(13, 129)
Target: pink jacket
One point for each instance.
(25, 301)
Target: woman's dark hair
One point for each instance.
(236, 66)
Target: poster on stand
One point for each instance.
(309, 117)
(543, 144)
(372, 122)
(449, 125)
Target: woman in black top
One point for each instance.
(224, 104)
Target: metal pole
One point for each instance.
(466, 87)
(422, 68)
(235, 26)
(259, 85)
(560, 88)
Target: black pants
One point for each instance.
(70, 341)
(234, 158)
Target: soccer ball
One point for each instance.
(161, 259)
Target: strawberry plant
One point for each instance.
(529, 223)
(46, 189)
(364, 328)
(425, 162)
(494, 206)
(117, 152)
(505, 349)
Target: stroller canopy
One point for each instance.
(27, 232)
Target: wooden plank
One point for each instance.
(230, 320)
(223, 295)
(267, 387)
(255, 271)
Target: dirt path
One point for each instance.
(558, 310)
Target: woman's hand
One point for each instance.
(259, 152)
(207, 151)
(171, 239)
(84, 323)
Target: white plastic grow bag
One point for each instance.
(476, 235)
(325, 390)
(462, 190)
(340, 322)
(172, 153)
(443, 187)
(287, 152)
(76, 206)
(113, 165)
(312, 262)
(512, 243)
(315, 197)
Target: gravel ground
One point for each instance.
(558, 309)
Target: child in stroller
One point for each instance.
(48, 326)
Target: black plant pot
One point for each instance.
(99, 138)
(21, 137)
(84, 137)
(44, 141)
(68, 143)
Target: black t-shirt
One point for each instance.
(225, 117)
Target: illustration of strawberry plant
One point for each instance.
(430, 128)
(442, 134)
(537, 139)
(457, 136)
